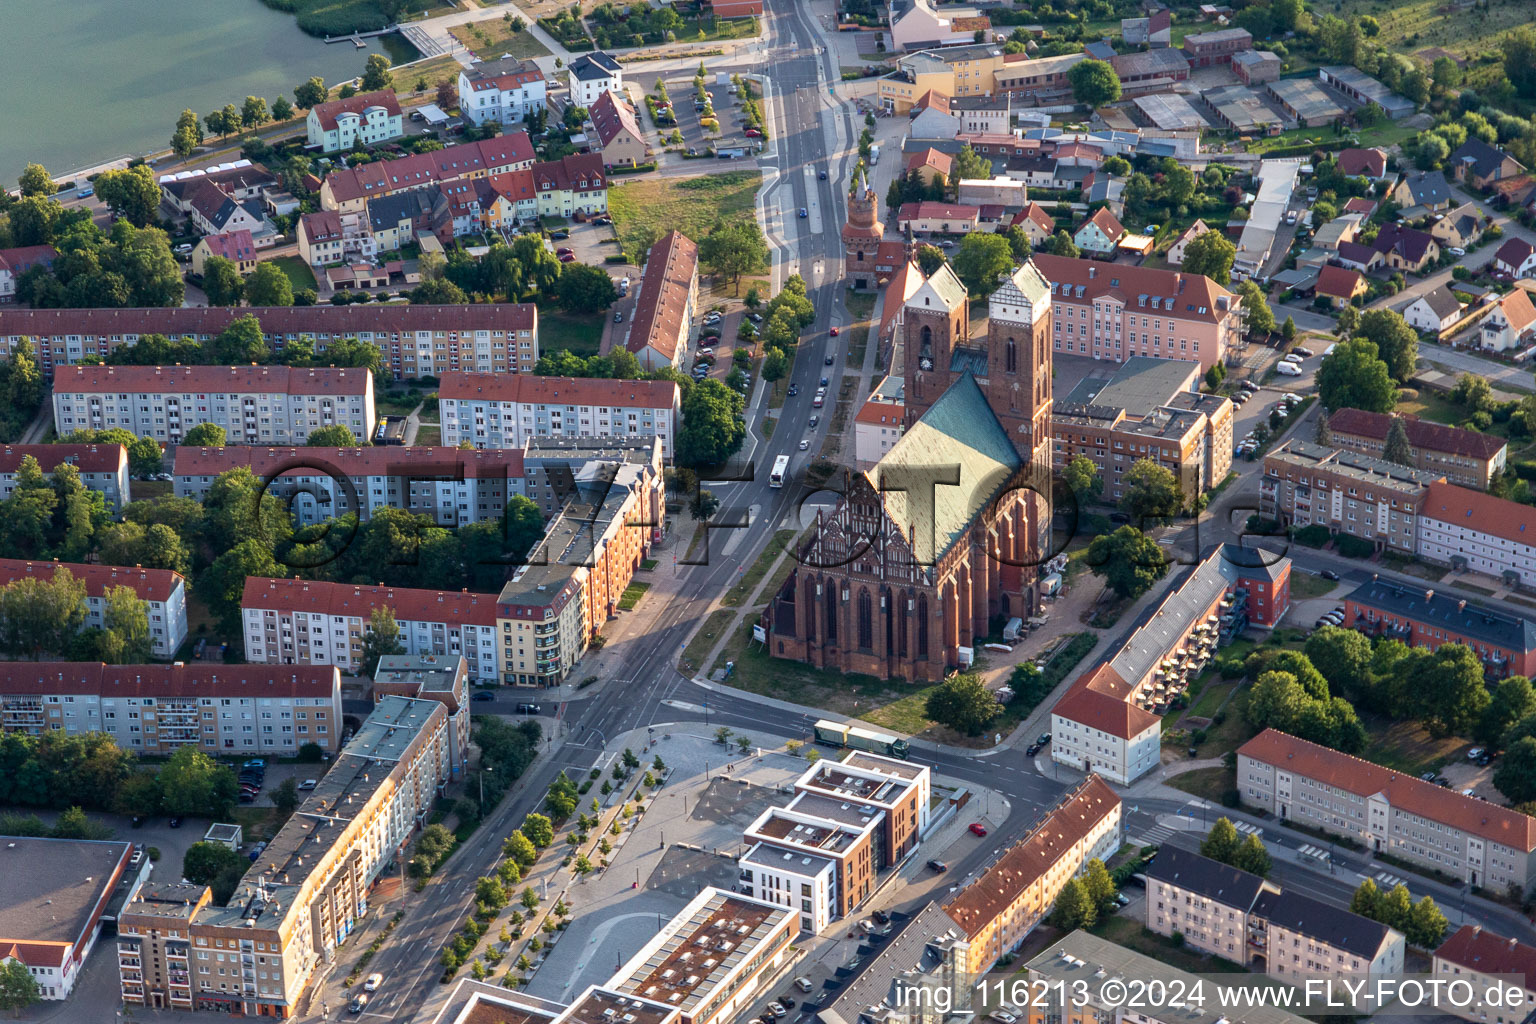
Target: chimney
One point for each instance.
(1461, 606)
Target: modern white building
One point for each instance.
(593, 74)
(365, 119)
(1434, 311)
(505, 90)
(163, 592)
(254, 404)
(505, 411)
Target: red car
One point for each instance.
(834, 332)
(567, 257)
(978, 828)
(753, 133)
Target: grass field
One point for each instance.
(1406, 745)
(582, 335)
(699, 646)
(632, 595)
(296, 270)
(748, 581)
(1409, 25)
(646, 208)
(1305, 585)
(493, 38)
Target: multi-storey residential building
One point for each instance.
(157, 709)
(669, 293)
(1480, 958)
(1239, 916)
(307, 890)
(1108, 721)
(879, 423)
(1388, 811)
(348, 190)
(237, 246)
(1205, 49)
(1151, 409)
(592, 75)
(931, 943)
(154, 944)
(573, 184)
(254, 404)
(505, 91)
(417, 341)
(1002, 905)
(1472, 530)
(619, 134)
(163, 592)
(322, 239)
(102, 467)
(1308, 485)
(1505, 641)
(54, 894)
(1464, 457)
(494, 411)
(443, 678)
(304, 622)
(1117, 311)
(363, 119)
(953, 71)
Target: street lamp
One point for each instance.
(483, 770)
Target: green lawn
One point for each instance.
(1306, 584)
(493, 38)
(1133, 934)
(582, 335)
(632, 595)
(644, 209)
(748, 581)
(296, 270)
(1206, 783)
(1406, 745)
(702, 641)
(428, 434)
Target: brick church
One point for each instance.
(944, 534)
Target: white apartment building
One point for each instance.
(163, 592)
(1481, 958)
(365, 119)
(304, 622)
(505, 91)
(254, 404)
(500, 411)
(593, 74)
(102, 467)
(1474, 530)
(155, 709)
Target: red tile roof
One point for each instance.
(1370, 162)
(149, 584)
(190, 680)
(928, 209)
(661, 313)
(1476, 949)
(357, 104)
(578, 172)
(1480, 511)
(23, 257)
(207, 321)
(611, 114)
(977, 905)
(284, 380)
(1101, 700)
(1036, 213)
(736, 8)
(381, 177)
(881, 414)
(1184, 295)
(1338, 282)
(1359, 205)
(456, 607)
(1403, 791)
(930, 157)
(237, 246)
(1518, 310)
(514, 186)
(1435, 437)
(503, 387)
(321, 226)
(88, 458)
(381, 460)
(933, 99)
(1107, 223)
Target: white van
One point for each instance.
(1288, 369)
(803, 984)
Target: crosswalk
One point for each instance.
(1389, 881)
(1315, 852)
(1154, 836)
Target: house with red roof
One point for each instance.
(618, 132)
(1339, 285)
(880, 422)
(1038, 226)
(931, 164)
(1100, 233)
(363, 119)
(935, 218)
(1468, 458)
(1363, 163)
(505, 91)
(574, 184)
(1487, 962)
(17, 261)
(237, 246)
(1510, 324)
(669, 293)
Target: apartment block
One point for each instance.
(364, 119)
(348, 189)
(154, 944)
(1480, 958)
(254, 404)
(496, 411)
(443, 678)
(952, 71)
(1387, 810)
(886, 990)
(306, 892)
(505, 91)
(1116, 311)
(1471, 530)
(1308, 485)
(310, 622)
(102, 467)
(416, 341)
(1001, 906)
(157, 709)
(1464, 457)
(162, 591)
(669, 294)
(1503, 640)
(1151, 409)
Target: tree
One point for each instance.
(704, 505)
(1212, 255)
(282, 110)
(1512, 701)
(583, 288)
(310, 94)
(192, 783)
(382, 638)
(1094, 83)
(1426, 925)
(206, 435)
(1432, 151)
(1367, 900)
(730, 250)
(1257, 314)
(1062, 245)
(1397, 344)
(970, 165)
(131, 192)
(222, 283)
(36, 181)
(538, 830)
(520, 848)
(560, 798)
(1397, 448)
(223, 582)
(1074, 908)
(1473, 393)
(964, 704)
(713, 429)
(376, 74)
(1252, 857)
(336, 435)
(1343, 656)
(983, 257)
(204, 861)
(440, 293)
(1152, 493)
(1221, 842)
(40, 615)
(254, 113)
(1099, 887)
(1515, 777)
(267, 285)
(125, 621)
(1353, 377)
(18, 989)
(1081, 476)
(1117, 166)
(1447, 690)
(929, 258)
(1519, 48)
(1178, 186)
(1396, 907)
(1128, 560)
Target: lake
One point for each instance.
(134, 65)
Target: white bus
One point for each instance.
(780, 471)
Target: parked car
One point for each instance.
(938, 866)
(618, 316)
(1475, 753)
(560, 234)
(308, 784)
(1032, 750)
(1456, 250)
(978, 829)
(483, 695)
(1329, 574)
(1305, 352)
(753, 133)
(565, 249)
(569, 257)
(805, 445)
(1044, 740)
(174, 823)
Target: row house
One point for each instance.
(1467, 458)
(1387, 810)
(326, 237)
(669, 295)
(254, 404)
(237, 710)
(163, 592)
(1478, 532)
(416, 341)
(1308, 485)
(363, 119)
(504, 91)
(495, 411)
(572, 185)
(348, 189)
(102, 467)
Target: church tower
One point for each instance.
(936, 325)
(861, 235)
(1017, 381)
